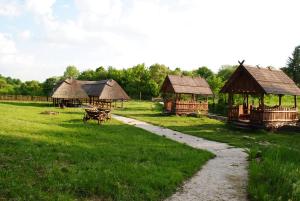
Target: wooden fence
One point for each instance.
(25, 98)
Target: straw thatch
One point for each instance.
(104, 90)
(185, 85)
(69, 89)
(79, 89)
(257, 80)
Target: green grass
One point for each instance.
(274, 169)
(57, 157)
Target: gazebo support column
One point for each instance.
(280, 97)
(248, 110)
(295, 101)
(262, 99)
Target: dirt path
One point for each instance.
(221, 178)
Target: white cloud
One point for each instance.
(11, 60)
(42, 8)
(9, 8)
(7, 45)
(180, 33)
(25, 35)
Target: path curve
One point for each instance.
(222, 178)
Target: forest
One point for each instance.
(139, 81)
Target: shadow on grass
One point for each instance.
(29, 104)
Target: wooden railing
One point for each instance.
(168, 105)
(185, 107)
(182, 107)
(273, 114)
(264, 114)
(233, 113)
(25, 98)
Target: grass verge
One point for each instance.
(57, 157)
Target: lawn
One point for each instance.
(274, 170)
(57, 157)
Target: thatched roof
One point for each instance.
(258, 80)
(69, 89)
(104, 90)
(185, 85)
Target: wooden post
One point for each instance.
(122, 103)
(295, 101)
(230, 100)
(280, 96)
(262, 99)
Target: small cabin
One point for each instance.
(71, 92)
(185, 95)
(256, 81)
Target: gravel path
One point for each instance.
(222, 178)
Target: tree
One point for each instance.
(158, 72)
(101, 73)
(87, 75)
(32, 88)
(226, 71)
(71, 72)
(3, 83)
(293, 66)
(177, 71)
(49, 85)
(204, 72)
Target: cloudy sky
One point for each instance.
(39, 38)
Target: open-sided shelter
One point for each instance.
(257, 81)
(101, 93)
(176, 89)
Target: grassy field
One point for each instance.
(274, 170)
(57, 157)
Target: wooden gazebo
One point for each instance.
(181, 94)
(101, 93)
(256, 81)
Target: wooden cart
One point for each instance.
(96, 114)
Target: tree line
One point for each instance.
(139, 81)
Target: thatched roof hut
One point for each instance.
(175, 87)
(258, 80)
(186, 85)
(104, 90)
(254, 80)
(69, 89)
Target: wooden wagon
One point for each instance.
(100, 115)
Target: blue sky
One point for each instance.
(39, 38)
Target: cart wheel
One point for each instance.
(84, 119)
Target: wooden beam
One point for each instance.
(280, 96)
(295, 101)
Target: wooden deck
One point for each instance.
(185, 107)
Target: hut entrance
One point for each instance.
(249, 81)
